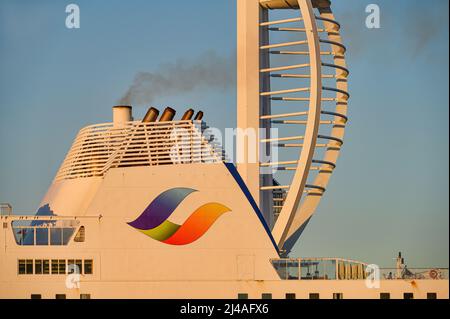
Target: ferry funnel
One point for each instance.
(188, 115)
(168, 115)
(151, 115)
(199, 116)
(122, 114)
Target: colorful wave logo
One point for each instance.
(154, 222)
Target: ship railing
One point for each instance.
(333, 268)
(98, 148)
(414, 273)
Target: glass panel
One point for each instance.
(55, 236)
(28, 236)
(38, 266)
(88, 267)
(281, 268)
(46, 267)
(62, 266)
(293, 270)
(67, 234)
(79, 264)
(29, 266)
(42, 236)
(55, 267)
(21, 266)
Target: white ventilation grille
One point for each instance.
(98, 148)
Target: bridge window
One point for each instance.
(431, 295)
(42, 236)
(42, 233)
(385, 295)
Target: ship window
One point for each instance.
(29, 266)
(62, 266)
(21, 266)
(79, 237)
(408, 295)
(60, 296)
(431, 295)
(385, 295)
(42, 236)
(67, 234)
(38, 266)
(85, 296)
(314, 296)
(46, 266)
(36, 296)
(338, 295)
(266, 296)
(290, 296)
(242, 296)
(5, 225)
(88, 267)
(55, 268)
(55, 236)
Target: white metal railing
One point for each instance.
(97, 148)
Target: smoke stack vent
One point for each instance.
(199, 116)
(122, 114)
(168, 115)
(151, 115)
(188, 115)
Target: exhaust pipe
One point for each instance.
(168, 115)
(151, 115)
(188, 115)
(199, 116)
(122, 114)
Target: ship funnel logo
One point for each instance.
(154, 222)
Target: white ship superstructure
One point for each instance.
(151, 209)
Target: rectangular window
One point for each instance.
(88, 267)
(56, 236)
(29, 266)
(408, 295)
(36, 296)
(314, 296)
(62, 266)
(46, 266)
(431, 295)
(385, 295)
(55, 268)
(60, 296)
(242, 296)
(85, 296)
(38, 266)
(290, 296)
(266, 296)
(21, 266)
(338, 295)
(79, 264)
(42, 236)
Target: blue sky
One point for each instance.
(390, 191)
